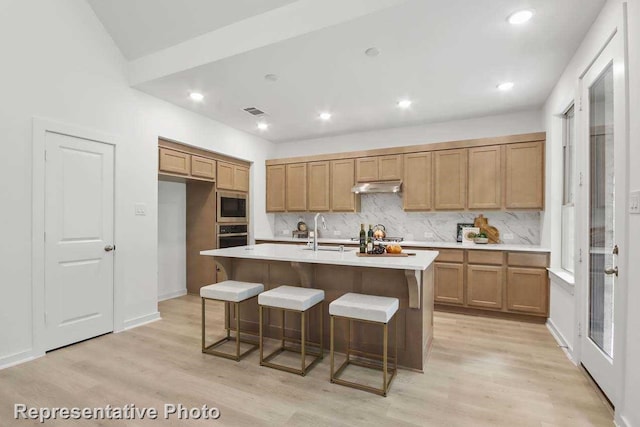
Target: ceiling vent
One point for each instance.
(254, 111)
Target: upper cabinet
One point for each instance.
(232, 177)
(485, 177)
(203, 167)
(450, 179)
(343, 174)
(174, 162)
(276, 192)
(417, 186)
(381, 168)
(319, 186)
(296, 187)
(524, 175)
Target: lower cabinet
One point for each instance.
(484, 286)
(449, 283)
(527, 290)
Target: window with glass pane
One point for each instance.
(568, 214)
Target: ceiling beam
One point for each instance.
(292, 20)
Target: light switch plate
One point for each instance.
(508, 236)
(337, 232)
(285, 232)
(634, 202)
(428, 235)
(140, 209)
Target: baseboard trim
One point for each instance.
(142, 320)
(561, 340)
(17, 359)
(174, 294)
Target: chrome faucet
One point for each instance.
(315, 230)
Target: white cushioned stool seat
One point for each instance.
(291, 298)
(231, 290)
(364, 307)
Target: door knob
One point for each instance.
(109, 248)
(611, 270)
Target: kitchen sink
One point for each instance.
(327, 248)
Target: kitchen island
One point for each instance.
(410, 279)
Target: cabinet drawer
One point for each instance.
(449, 255)
(529, 259)
(485, 257)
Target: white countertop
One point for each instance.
(417, 244)
(274, 252)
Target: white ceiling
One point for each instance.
(141, 27)
(447, 57)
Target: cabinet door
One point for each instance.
(449, 283)
(367, 169)
(202, 167)
(276, 188)
(484, 286)
(417, 184)
(524, 175)
(450, 170)
(296, 198)
(527, 290)
(390, 168)
(318, 186)
(225, 176)
(343, 174)
(241, 178)
(174, 162)
(485, 178)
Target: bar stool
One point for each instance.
(297, 300)
(229, 292)
(368, 309)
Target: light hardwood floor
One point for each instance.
(481, 372)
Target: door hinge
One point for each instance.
(45, 155)
(45, 236)
(580, 179)
(580, 255)
(45, 317)
(580, 104)
(579, 329)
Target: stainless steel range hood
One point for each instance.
(377, 187)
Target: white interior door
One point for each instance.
(79, 227)
(604, 199)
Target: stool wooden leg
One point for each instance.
(302, 340)
(203, 320)
(260, 336)
(331, 319)
(385, 340)
(236, 309)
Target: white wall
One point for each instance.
(630, 408)
(172, 239)
(627, 408)
(58, 62)
(481, 127)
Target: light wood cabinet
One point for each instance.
(296, 187)
(449, 283)
(484, 286)
(318, 186)
(450, 179)
(417, 183)
(276, 191)
(485, 178)
(202, 167)
(342, 180)
(527, 290)
(232, 177)
(524, 175)
(174, 161)
(381, 168)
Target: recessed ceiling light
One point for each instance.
(520, 17)
(271, 77)
(325, 116)
(196, 96)
(404, 103)
(372, 51)
(505, 86)
(263, 125)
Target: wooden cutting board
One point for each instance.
(385, 255)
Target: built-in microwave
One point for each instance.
(232, 207)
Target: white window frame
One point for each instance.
(567, 258)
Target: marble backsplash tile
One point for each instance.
(386, 209)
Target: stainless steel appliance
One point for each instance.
(231, 235)
(232, 207)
